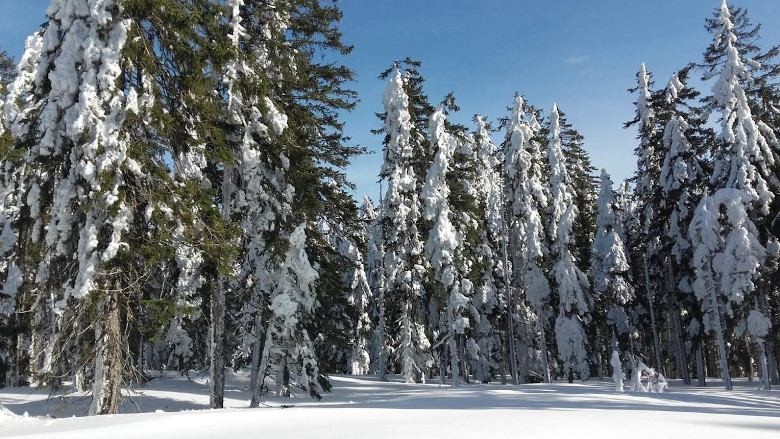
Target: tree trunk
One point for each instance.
(717, 319)
(508, 291)
(749, 358)
(452, 345)
(762, 365)
(774, 373)
(257, 391)
(543, 344)
(701, 375)
(257, 346)
(106, 390)
(679, 339)
(217, 343)
(651, 308)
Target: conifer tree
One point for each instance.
(95, 177)
(444, 246)
(527, 203)
(489, 291)
(400, 215)
(568, 282)
(682, 178)
(610, 268)
(649, 156)
(744, 156)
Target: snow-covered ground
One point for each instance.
(362, 407)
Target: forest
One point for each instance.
(173, 197)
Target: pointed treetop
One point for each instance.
(555, 121)
(643, 101)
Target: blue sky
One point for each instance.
(581, 54)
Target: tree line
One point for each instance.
(173, 198)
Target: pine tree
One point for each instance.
(568, 282)
(744, 156)
(489, 291)
(282, 105)
(610, 268)
(400, 215)
(444, 245)
(11, 321)
(649, 156)
(682, 178)
(95, 178)
(527, 203)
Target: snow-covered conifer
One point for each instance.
(610, 268)
(568, 282)
(400, 214)
(490, 288)
(744, 154)
(524, 165)
(444, 244)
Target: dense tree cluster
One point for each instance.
(172, 196)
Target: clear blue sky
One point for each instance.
(581, 54)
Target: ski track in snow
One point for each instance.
(174, 406)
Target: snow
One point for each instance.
(175, 406)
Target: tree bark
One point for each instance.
(257, 346)
(651, 308)
(543, 343)
(106, 389)
(700, 373)
(679, 339)
(217, 343)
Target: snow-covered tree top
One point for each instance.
(561, 191)
(436, 190)
(398, 123)
(746, 154)
(673, 88)
(643, 105)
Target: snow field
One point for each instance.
(363, 407)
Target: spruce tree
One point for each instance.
(568, 282)
(610, 269)
(96, 184)
(744, 156)
(490, 288)
(400, 216)
(527, 202)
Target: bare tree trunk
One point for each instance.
(762, 365)
(257, 391)
(452, 345)
(543, 344)
(651, 308)
(257, 346)
(701, 375)
(718, 322)
(679, 339)
(749, 358)
(106, 390)
(217, 343)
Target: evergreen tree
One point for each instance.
(490, 288)
(610, 268)
(95, 183)
(682, 178)
(744, 156)
(527, 202)
(646, 192)
(568, 282)
(444, 245)
(400, 215)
